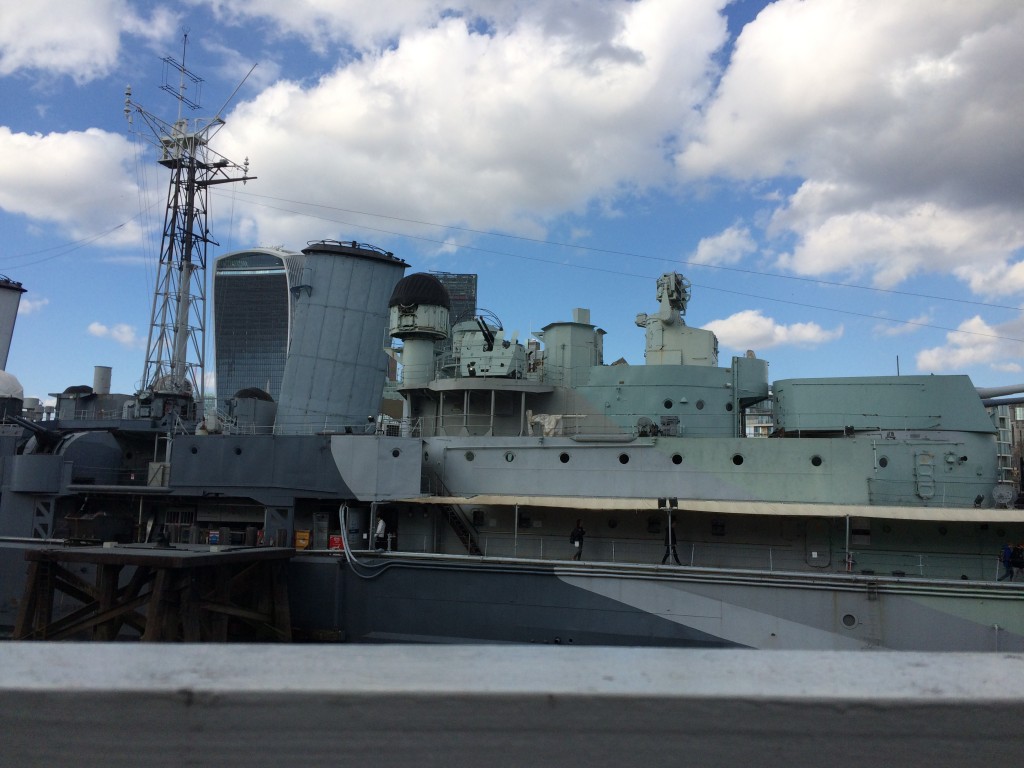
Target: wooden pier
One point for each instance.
(180, 592)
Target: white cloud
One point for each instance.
(365, 25)
(752, 330)
(122, 333)
(905, 134)
(500, 130)
(77, 180)
(1003, 279)
(77, 38)
(727, 247)
(976, 343)
(1008, 367)
(893, 241)
(903, 327)
(29, 305)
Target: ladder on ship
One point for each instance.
(462, 528)
(454, 514)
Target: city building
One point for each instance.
(252, 319)
(462, 294)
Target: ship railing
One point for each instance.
(94, 415)
(386, 426)
(624, 551)
(548, 425)
(928, 565)
(773, 557)
(572, 425)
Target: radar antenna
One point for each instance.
(177, 324)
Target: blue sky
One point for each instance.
(841, 180)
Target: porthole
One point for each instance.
(509, 456)
(194, 449)
(816, 461)
(667, 403)
(737, 459)
(728, 406)
(613, 523)
(469, 456)
(849, 620)
(623, 458)
(564, 458)
(883, 462)
(700, 405)
(396, 453)
(238, 451)
(677, 459)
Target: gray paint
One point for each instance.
(443, 600)
(336, 366)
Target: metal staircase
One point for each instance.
(463, 529)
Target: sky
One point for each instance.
(842, 181)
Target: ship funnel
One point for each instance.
(101, 379)
(10, 298)
(335, 369)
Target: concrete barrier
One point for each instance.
(117, 704)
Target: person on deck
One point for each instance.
(380, 538)
(1017, 559)
(1006, 558)
(576, 538)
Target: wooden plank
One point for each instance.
(176, 556)
(24, 624)
(189, 608)
(108, 576)
(46, 585)
(196, 601)
(154, 611)
(80, 620)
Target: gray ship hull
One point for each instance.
(434, 599)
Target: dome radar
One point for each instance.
(418, 314)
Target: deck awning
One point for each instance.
(767, 508)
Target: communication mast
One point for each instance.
(175, 350)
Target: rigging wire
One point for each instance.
(75, 245)
(615, 252)
(622, 273)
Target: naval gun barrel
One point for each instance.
(992, 396)
(986, 393)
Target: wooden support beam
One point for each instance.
(195, 593)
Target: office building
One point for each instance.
(252, 319)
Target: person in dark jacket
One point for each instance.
(1006, 558)
(576, 537)
(670, 543)
(1017, 558)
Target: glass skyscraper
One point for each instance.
(252, 318)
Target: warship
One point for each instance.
(868, 517)
(443, 481)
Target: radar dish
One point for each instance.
(1002, 494)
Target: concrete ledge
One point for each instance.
(244, 705)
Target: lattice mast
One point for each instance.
(175, 350)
